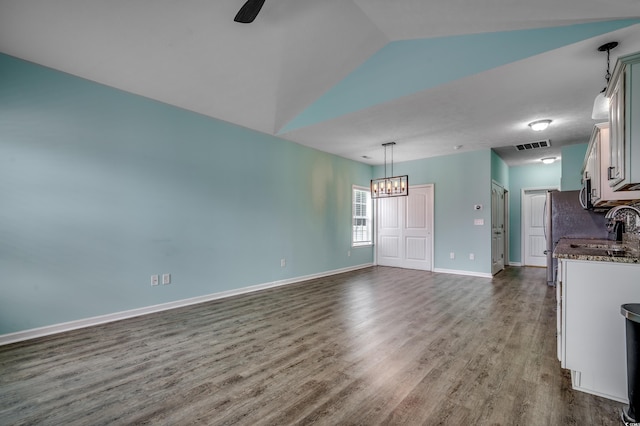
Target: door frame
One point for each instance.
(505, 222)
(522, 227)
(430, 220)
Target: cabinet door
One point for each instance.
(616, 170)
(594, 329)
(559, 319)
(594, 166)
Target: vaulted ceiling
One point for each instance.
(345, 76)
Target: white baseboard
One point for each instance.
(515, 263)
(33, 333)
(468, 273)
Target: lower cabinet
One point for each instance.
(591, 334)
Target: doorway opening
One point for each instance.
(533, 238)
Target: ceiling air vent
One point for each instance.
(533, 145)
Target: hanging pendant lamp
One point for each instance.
(601, 103)
(394, 186)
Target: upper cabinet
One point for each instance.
(592, 166)
(623, 91)
(596, 166)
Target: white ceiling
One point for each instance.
(298, 54)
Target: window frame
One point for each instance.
(367, 216)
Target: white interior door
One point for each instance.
(404, 229)
(497, 228)
(534, 241)
(389, 231)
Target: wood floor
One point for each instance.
(375, 346)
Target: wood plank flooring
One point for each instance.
(376, 346)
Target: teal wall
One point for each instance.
(532, 176)
(101, 189)
(499, 170)
(460, 181)
(572, 161)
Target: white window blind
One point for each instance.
(361, 221)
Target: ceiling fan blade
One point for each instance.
(249, 11)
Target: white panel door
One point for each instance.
(497, 228)
(389, 242)
(417, 228)
(535, 242)
(404, 231)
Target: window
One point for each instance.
(361, 222)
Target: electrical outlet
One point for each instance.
(166, 279)
(472, 256)
(452, 255)
(155, 279)
(283, 263)
(348, 253)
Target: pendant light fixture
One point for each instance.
(601, 103)
(394, 186)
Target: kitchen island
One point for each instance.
(595, 277)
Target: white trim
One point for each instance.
(370, 217)
(507, 223)
(33, 333)
(515, 263)
(468, 273)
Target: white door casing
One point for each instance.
(404, 231)
(534, 241)
(497, 228)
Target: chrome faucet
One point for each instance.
(618, 227)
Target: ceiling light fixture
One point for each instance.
(548, 160)
(539, 125)
(601, 103)
(395, 186)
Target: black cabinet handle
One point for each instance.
(610, 172)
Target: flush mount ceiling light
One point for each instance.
(539, 125)
(395, 186)
(601, 103)
(548, 160)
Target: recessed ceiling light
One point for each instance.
(539, 125)
(548, 160)
(457, 147)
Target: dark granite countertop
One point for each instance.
(597, 250)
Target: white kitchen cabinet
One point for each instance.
(592, 330)
(591, 168)
(596, 166)
(559, 315)
(623, 92)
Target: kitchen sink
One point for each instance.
(600, 249)
(616, 252)
(596, 246)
